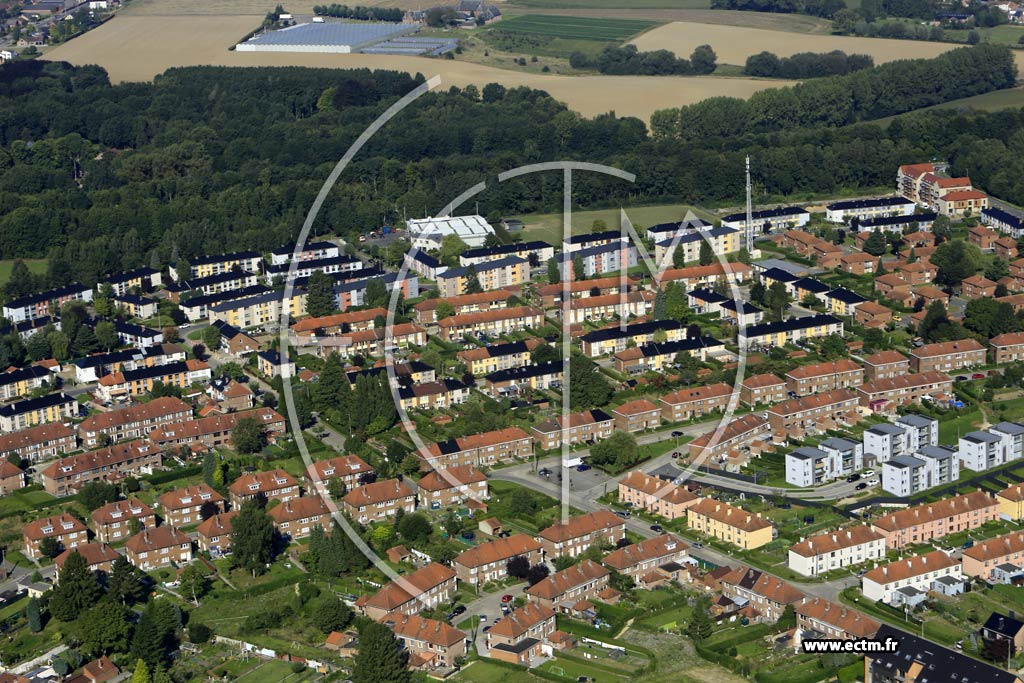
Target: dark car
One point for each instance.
(656, 528)
(961, 378)
(544, 472)
(853, 477)
(861, 486)
(461, 609)
(583, 468)
(676, 434)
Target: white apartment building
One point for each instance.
(930, 466)
(836, 549)
(893, 583)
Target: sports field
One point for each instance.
(548, 227)
(137, 48)
(586, 28)
(733, 44)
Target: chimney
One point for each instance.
(835, 539)
(885, 571)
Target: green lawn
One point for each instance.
(275, 671)
(571, 670)
(483, 671)
(37, 266)
(575, 27)
(548, 227)
(990, 101)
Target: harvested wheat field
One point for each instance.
(733, 44)
(137, 48)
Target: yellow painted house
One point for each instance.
(510, 271)
(35, 411)
(224, 263)
(729, 523)
(1011, 502)
(260, 309)
(782, 332)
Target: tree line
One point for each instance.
(394, 14)
(804, 65)
(814, 8)
(889, 89)
(628, 60)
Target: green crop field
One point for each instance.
(585, 28)
(614, 4)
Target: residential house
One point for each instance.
(479, 450)
(656, 496)
(823, 620)
(431, 586)
(184, 507)
(66, 530)
(490, 323)
(685, 404)
(590, 425)
(518, 637)
(214, 533)
(564, 589)
(872, 314)
(912, 658)
(617, 338)
(963, 203)
(509, 271)
(715, 446)
(828, 551)
(99, 557)
(817, 412)
(826, 376)
(35, 411)
(977, 286)
(638, 559)
(66, 476)
(453, 486)
(885, 365)
(488, 561)
(133, 422)
(763, 389)
(981, 558)
(270, 485)
(637, 416)
(890, 582)
(431, 644)
(932, 521)
(1011, 502)
(729, 523)
(378, 501)
(351, 470)
(659, 357)
(216, 431)
(437, 395)
(39, 443)
(845, 211)
(298, 517)
(766, 594)
(576, 536)
(1007, 348)
(12, 477)
(120, 519)
(886, 395)
(784, 332)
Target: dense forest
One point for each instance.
(814, 8)
(889, 89)
(628, 60)
(805, 65)
(103, 178)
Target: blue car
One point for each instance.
(583, 468)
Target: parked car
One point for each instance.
(676, 434)
(960, 378)
(853, 477)
(861, 486)
(869, 473)
(676, 454)
(483, 617)
(544, 472)
(461, 609)
(657, 528)
(583, 468)
(872, 482)
(622, 513)
(978, 375)
(507, 597)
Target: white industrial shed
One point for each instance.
(336, 37)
